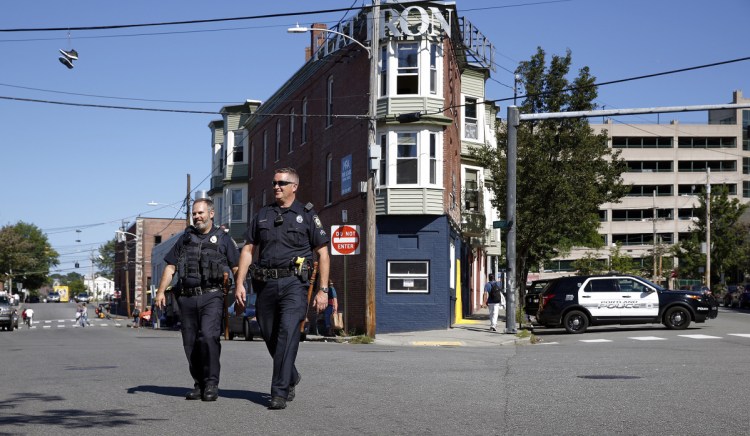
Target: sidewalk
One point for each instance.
(471, 332)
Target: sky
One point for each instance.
(78, 172)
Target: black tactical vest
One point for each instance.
(200, 262)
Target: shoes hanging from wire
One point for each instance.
(68, 56)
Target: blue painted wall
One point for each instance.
(420, 237)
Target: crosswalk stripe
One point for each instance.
(742, 335)
(700, 336)
(596, 340)
(647, 338)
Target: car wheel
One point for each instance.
(248, 335)
(575, 322)
(677, 318)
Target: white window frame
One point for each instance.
(329, 179)
(423, 156)
(478, 189)
(292, 119)
(264, 163)
(304, 122)
(471, 124)
(429, 71)
(329, 102)
(234, 207)
(407, 278)
(251, 160)
(278, 140)
(239, 141)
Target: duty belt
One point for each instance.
(265, 274)
(191, 292)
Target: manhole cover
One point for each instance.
(609, 377)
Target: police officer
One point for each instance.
(285, 234)
(201, 257)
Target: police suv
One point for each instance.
(578, 302)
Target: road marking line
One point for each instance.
(549, 343)
(742, 335)
(647, 338)
(700, 336)
(60, 326)
(47, 321)
(47, 327)
(596, 340)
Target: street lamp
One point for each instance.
(372, 55)
(300, 29)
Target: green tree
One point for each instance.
(106, 263)
(621, 262)
(76, 286)
(25, 250)
(589, 264)
(729, 243)
(564, 170)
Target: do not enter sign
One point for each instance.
(344, 240)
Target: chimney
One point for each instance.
(317, 39)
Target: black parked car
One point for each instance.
(533, 294)
(577, 302)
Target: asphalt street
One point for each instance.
(111, 380)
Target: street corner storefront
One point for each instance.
(417, 272)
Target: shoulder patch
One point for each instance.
(317, 222)
(308, 207)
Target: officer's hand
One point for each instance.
(321, 301)
(239, 298)
(160, 301)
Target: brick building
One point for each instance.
(132, 275)
(434, 242)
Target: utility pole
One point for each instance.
(510, 213)
(127, 268)
(708, 227)
(653, 219)
(370, 261)
(187, 203)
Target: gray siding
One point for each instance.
(410, 201)
(472, 84)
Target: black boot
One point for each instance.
(195, 394)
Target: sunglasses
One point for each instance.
(280, 183)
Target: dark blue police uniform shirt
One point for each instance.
(297, 236)
(227, 247)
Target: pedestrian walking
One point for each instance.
(84, 315)
(285, 233)
(201, 258)
(493, 298)
(136, 317)
(28, 316)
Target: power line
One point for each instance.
(113, 97)
(611, 82)
(102, 106)
(174, 23)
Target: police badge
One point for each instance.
(213, 239)
(299, 219)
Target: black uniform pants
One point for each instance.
(201, 329)
(280, 307)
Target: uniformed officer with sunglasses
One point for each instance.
(285, 233)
